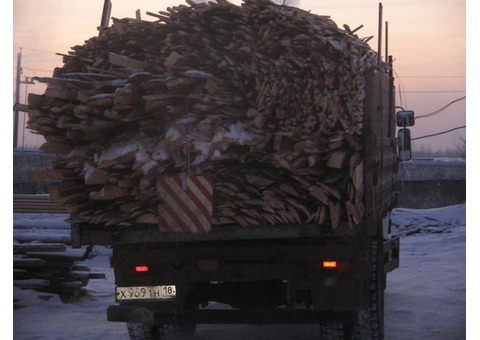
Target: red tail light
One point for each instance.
(332, 265)
(329, 264)
(141, 269)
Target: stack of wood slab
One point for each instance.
(51, 268)
(32, 203)
(266, 99)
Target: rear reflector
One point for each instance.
(329, 264)
(141, 269)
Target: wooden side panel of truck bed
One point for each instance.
(380, 153)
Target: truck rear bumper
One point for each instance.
(254, 274)
(144, 314)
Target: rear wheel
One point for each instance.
(180, 331)
(183, 330)
(371, 325)
(139, 331)
(335, 331)
(179, 327)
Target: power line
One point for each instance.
(440, 133)
(400, 89)
(402, 92)
(35, 69)
(453, 91)
(433, 77)
(441, 109)
(35, 50)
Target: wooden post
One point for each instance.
(386, 41)
(380, 10)
(107, 10)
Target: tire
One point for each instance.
(371, 327)
(179, 327)
(139, 331)
(184, 330)
(335, 331)
(180, 331)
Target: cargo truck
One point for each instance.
(273, 274)
(187, 247)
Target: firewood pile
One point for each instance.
(266, 99)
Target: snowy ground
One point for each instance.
(425, 298)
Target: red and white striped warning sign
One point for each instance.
(186, 203)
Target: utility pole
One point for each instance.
(17, 99)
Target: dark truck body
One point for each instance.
(268, 274)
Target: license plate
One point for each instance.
(145, 293)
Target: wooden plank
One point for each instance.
(21, 274)
(20, 107)
(124, 61)
(31, 284)
(47, 174)
(24, 248)
(86, 275)
(28, 262)
(56, 256)
(36, 203)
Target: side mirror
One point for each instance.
(404, 145)
(405, 118)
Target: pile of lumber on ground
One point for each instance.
(51, 268)
(33, 203)
(266, 99)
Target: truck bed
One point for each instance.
(92, 234)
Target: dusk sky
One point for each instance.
(427, 39)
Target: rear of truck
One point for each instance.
(230, 155)
(286, 273)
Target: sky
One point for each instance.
(426, 38)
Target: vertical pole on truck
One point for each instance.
(389, 61)
(381, 107)
(386, 41)
(391, 107)
(380, 10)
(107, 10)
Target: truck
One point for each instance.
(332, 273)
(268, 274)
(283, 274)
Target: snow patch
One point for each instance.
(236, 132)
(146, 153)
(407, 221)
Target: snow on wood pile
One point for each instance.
(267, 99)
